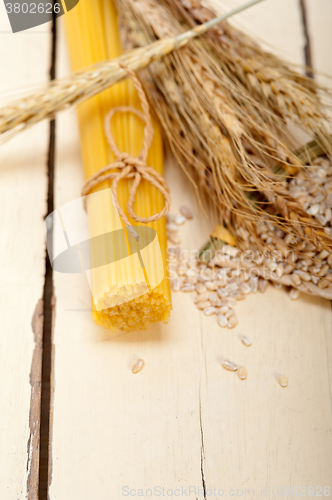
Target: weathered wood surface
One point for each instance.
(24, 60)
(183, 421)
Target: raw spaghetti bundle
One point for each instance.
(131, 289)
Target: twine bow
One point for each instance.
(129, 166)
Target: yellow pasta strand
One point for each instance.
(124, 295)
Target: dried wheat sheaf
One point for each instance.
(226, 105)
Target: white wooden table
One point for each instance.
(183, 424)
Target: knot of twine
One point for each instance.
(129, 166)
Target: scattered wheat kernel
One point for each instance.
(246, 341)
(192, 273)
(233, 321)
(211, 286)
(222, 320)
(229, 365)
(187, 287)
(223, 309)
(253, 283)
(172, 228)
(283, 381)
(214, 297)
(173, 239)
(233, 287)
(242, 373)
(176, 285)
(262, 284)
(138, 366)
(221, 282)
(323, 255)
(314, 209)
(179, 220)
(270, 264)
(231, 251)
(186, 212)
(181, 270)
(209, 311)
(203, 305)
(304, 276)
(200, 287)
(170, 217)
(229, 301)
(229, 313)
(222, 275)
(294, 294)
(203, 297)
(288, 269)
(323, 283)
(277, 285)
(315, 279)
(176, 251)
(222, 293)
(245, 288)
(296, 279)
(325, 269)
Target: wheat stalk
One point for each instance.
(228, 139)
(64, 93)
(216, 126)
(269, 79)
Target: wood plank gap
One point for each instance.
(307, 47)
(202, 445)
(48, 312)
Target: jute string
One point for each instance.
(129, 166)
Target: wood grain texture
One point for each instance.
(24, 60)
(183, 421)
(319, 26)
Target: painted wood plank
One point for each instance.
(93, 382)
(319, 26)
(256, 434)
(274, 23)
(24, 60)
(184, 422)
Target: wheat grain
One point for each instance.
(294, 294)
(200, 287)
(203, 305)
(179, 220)
(172, 228)
(176, 284)
(229, 365)
(173, 239)
(138, 366)
(308, 270)
(186, 212)
(209, 311)
(232, 322)
(222, 320)
(187, 287)
(211, 285)
(242, 373)
(283, 381)
(203, 297)
(246, 341)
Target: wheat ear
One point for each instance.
(64, 93)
